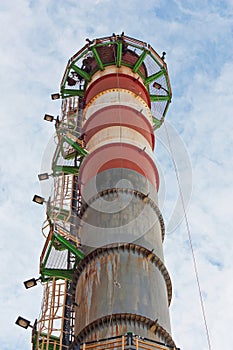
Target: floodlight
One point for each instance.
(49, 118)
(37, 199)
(157, 85)
(31, 283)
(71, 81)
(55, 96)
(43, 176)
(22, 322)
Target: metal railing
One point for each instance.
(124, 342)
(49, 332)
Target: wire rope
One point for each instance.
(190, 240)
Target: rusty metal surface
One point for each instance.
(121, 215)
(121, 278)
(134, 248)
(119, 178)
(113, 325)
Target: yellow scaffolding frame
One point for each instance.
(50, 327)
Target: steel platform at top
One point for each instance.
(120, 50)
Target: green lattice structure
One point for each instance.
(121, 50)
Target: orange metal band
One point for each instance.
(118, 155)
(117, 81)
(118, 115)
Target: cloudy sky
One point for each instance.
(37, 39)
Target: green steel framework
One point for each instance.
(145, 51)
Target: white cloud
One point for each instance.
(37, 38)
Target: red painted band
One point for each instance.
(118, 155)
(118, 115)
(121, 81)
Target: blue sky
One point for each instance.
(37, 39)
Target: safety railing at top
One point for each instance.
(120, 50)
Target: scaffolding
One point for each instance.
(61, 251)
(50, 329)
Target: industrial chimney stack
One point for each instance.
(102, 265)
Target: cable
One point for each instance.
(190, 240)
